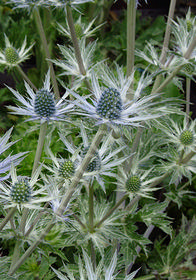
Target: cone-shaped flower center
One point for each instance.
(186, 137)
(133, 184)
(110, 104)
(20, 191)
(11, 55)
(95, 164)
(66, 169)
(44, 103)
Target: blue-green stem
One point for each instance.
(188, 93)
(91, 207)
(96, 141)
(166, 41)
(25, 212)
(9, 215)
(111, 211)
(46, 50)
(91, 222)
(22, 73)
(75, 40)
(176, 71)
(131, 19)
(66, 199)
(40, 145)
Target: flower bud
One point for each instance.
(20, 191)
(186, 137)
(66, 169)
(133, 184)
(11, 55)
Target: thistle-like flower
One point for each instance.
(87, 271)
(11, 56)
(184, 30)
(62, 169)
(182, 134)
(41, 105)
(110, 105)
(5, 164)
(138, 181)
(21, 192)
(177, 166)
(69, 63)
(104, 159)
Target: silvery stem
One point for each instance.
(131, 18)
(75, 41)
(47, 53)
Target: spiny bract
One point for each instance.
(110, 104)
(44, 103)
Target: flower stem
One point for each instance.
(75, 41)
(25, 77)
(188, 92)
(96, 141)
(111, 211)
(16, 253)
(175, 72)
(9, 215)
(65, 200)
(188, 157)
(40, 145)
(31, 248)
(46, 50)
(91, 208)
(131, 18)
(166, 41)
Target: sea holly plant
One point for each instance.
(115, 156)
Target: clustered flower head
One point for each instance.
(41, 105)
(182, 134)
(11, 56)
